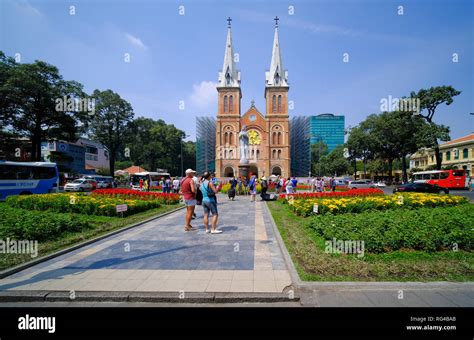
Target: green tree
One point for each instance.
(360, 145)
(407, 128)
(124, 164)
(318, 151)
(189, 155)
(377, 166)
(143, 149)
(335, 163)
(156, 144)
(430, 99)
(28, 104)
(110, 122)
(385, 141)
(169, 139)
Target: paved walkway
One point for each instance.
(160, 257)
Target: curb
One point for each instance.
(295, 278)
(156, 297)
(358, 285)
(23, 266)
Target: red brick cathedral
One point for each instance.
(269, 139)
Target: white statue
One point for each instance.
(244, 145)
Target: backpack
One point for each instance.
(210, 192)
(198, 196)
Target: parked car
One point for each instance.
(380, 184)
(82, 184)
(361, 184)
(104, 184)
(421, 187)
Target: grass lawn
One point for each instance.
(99, 225)
(306, 248)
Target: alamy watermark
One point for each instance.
(400, 104)
(71, 104)
(28, 322)
(10, 246)
(336, 246)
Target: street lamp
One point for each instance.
(181, 142)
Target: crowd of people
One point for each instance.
(203, 191)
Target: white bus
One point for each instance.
(152, 177)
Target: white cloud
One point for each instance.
(135, 41)
(258, 17)
(204, 95)
(25, 7)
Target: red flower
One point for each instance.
(167, 198)
(349, 193)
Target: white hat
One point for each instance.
(189, 171)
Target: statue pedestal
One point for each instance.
(244, 170)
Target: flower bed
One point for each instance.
(327, 194)
(163, 198)
(101, 205)
(338, 204)
(427, 229)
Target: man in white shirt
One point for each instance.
(176, 185)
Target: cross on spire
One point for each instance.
(228, 21)
(276, 21)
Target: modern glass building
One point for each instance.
(300, 147)
(205, 144)
(327, 127)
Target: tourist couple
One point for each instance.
(205, 191)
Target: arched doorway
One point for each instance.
(253, 170)
(228, 171)
(276, 171)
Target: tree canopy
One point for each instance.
(28, 103)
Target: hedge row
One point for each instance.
(428, 229)
(38, 225)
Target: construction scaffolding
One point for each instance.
(300, 146)
(205, 144)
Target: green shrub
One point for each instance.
(427, 229)
(38, 225)
(100, 205)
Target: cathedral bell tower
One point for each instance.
(276, 99)
(228, 112)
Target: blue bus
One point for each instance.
(25, 178)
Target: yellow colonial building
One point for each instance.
(457, 153)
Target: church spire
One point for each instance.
(277, 76)
(229, 76)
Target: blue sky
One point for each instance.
(177, 57)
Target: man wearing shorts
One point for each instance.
(188, 189)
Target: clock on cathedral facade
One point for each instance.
(254, 137)
(268, 132)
